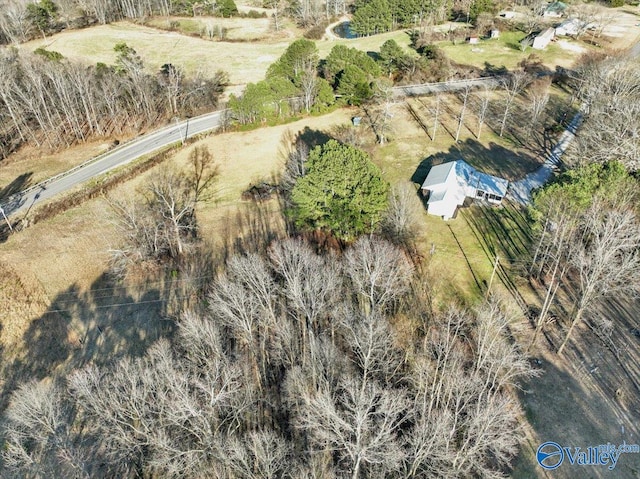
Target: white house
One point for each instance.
(448, 185)
(542, 40)
(571, 26)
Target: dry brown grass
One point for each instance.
(23, 299)
(65, 257)
(243, 61)
(41, 164)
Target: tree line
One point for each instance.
(23, 20)
(293, 367)
(53, 102)
(587, 221)
(300, 81)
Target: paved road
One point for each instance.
(23, 201)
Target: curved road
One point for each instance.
(23, 201)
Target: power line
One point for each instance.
(117, 305)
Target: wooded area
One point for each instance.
(55, 103)
(295, 369)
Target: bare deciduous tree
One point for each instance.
(380, 272)
(39, 442)
(605, 260)
(379, 112)
(483, 107)
(360, 425)
(464, 96)
(203, 174)
(400, 223)
(295, 153)
(513, 86)
(611, 130)
(539, 96)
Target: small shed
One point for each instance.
(495, 33)
(543, 39)
(473, 40)
(555, 10)
(449, 184)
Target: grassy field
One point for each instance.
(245, 61)
(505, 51)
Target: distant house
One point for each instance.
(555, 10)
(449, 184)
(542, 40)
(571, 26)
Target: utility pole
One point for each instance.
(186, 132)
(493, 273)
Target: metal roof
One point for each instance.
(438, 175)
(466, 176)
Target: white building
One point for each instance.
(449, 184)
(571, 26)
(543, 39)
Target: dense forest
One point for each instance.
(49, 101)
(301, 365)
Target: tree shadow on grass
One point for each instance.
(16, 186)
(504, 233)
(97, 326)
(313, 138)
(20, 183)
(562, 406)
(495, 160)
(494, 70)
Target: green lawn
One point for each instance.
(504, 51)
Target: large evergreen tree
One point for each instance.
(371, 17)
(299, 58)
(342, 192)
(226, 8)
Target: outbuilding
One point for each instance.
(555, 10)
(571, 26)
(543, 39)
